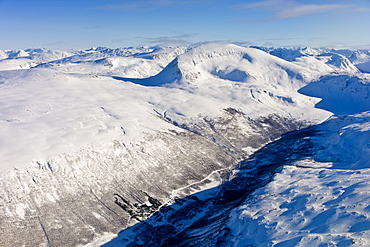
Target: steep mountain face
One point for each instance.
(110, 137)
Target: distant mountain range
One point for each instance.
(358, 58)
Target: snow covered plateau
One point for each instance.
(208, 145)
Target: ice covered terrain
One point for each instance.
(95, 141)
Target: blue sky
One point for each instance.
(80, 24)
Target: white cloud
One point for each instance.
(304, 10)
(283, 9)
(180, 39)
(362, 9)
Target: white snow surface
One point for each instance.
(322, 201)
(56, 103)
(46, 113)
(341, 94)
(47, 110)
(331, 60)
(361, 59)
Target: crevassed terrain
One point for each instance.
(94, 141)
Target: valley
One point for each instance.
(184, 146)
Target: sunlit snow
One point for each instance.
(64, 105)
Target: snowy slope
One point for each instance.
(318, 196)
(341, 94)
(205, 80)
(25, 59)
(46, 113)
(323, 60)
(107, 134)
(361, 59)
(322, 199)
(239, 77)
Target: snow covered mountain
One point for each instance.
(308, 188)
(336, 61)
(95, 141)
(361, 59)
(321, 199)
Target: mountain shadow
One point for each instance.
(200, 219)
(148, 82)
(340, 94)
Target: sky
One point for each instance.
(82, 24)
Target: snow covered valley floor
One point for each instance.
(214, 145)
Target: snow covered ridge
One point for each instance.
(25, 59)
(341, 94)
(340, 60)
(94, 141)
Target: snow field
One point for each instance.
(323, 200)
(54, 110)
(307, 207)
(56, 106)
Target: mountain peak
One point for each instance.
(212, 61)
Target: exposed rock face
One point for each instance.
(72, 199)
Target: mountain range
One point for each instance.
(207, 145)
